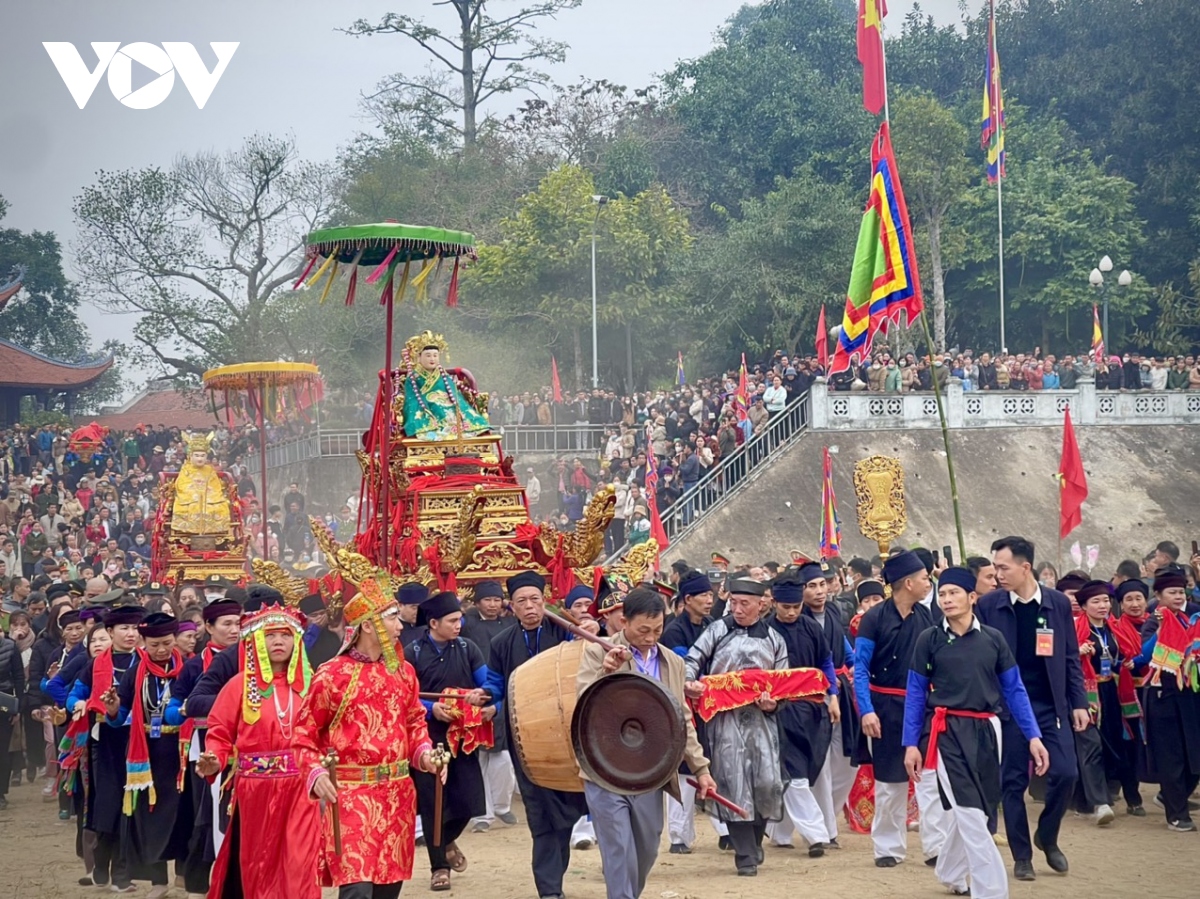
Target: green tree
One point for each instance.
(930, 146)
(44, 315)
(486, 54)
(782, 90)
(204, 250)
(538, 275)
(1061, 213)
(762, 284)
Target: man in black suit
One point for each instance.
(1038, 626)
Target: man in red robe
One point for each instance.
(272, 842)
(363, 707)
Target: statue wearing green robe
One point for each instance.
(434, 408)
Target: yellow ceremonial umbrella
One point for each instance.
(269, 388)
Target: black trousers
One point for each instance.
(451, 831)
(110, 862)
(364, 890)
(746, 837)
(1167, 740)
(1060, 780)
(1091, 789)
(551, 856)
(6, 732)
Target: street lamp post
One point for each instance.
(599, 201)
(1096, 279)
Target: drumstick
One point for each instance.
(555, 616)
(721, 800)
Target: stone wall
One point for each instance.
(1144, 487)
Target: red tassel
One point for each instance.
(311, 263)
(382, 267)
(386, 296)
(452, 294)
(353, 287)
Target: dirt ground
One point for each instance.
(1132, 858)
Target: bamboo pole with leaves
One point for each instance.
(937, 395)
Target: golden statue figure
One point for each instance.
(201, 504)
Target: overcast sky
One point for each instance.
(292, 73)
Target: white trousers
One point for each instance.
(969, 850)
(832, 788)
(583, 830)
(889, 829)
(803, 814)
(681, 817)
(499, 783)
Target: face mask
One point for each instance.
(212, 596)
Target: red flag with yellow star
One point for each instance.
(1072, 481)
(870, 53)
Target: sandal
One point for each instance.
(440, 882)
(454, 855)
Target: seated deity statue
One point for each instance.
(433, 406)
(201, 504)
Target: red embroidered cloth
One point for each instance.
(735, 689)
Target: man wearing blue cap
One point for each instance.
(959, 671)
(886, 637)
(837, 774)
(550, 814)
(696, 590)
(805, 728)
(1039, 627)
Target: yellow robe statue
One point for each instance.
(201, 505)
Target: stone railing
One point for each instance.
(858, 410)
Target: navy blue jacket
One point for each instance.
(1066, 676)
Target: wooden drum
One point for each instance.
(541, 701)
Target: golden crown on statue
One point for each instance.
(198, 443)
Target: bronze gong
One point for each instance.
(629, 733)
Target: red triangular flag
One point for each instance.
(554, 382)
(822, 342)
(1072, 481)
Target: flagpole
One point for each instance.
(937, 393)
(999, 179)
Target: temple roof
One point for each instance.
(20, 367)
(160, 404)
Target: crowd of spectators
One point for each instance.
(886, 372)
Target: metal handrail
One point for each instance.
(557, 438)
(733, 473)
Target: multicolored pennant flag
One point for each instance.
(554, 382)
(1072, 481)
(883, 280)
(1097, 335)
(741, 400)
(831, 528)
(680, 377)
(822, 341)
(992, 122)
(657, 531)
(870, 53)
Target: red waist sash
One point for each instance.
(940, 724)
(889, 691)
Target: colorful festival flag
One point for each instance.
(870, 53)
(1097, 335)
(680, 377)
(883, 280)
(831, 528)
(992, 121)
(1072, 481)
(554, 382)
